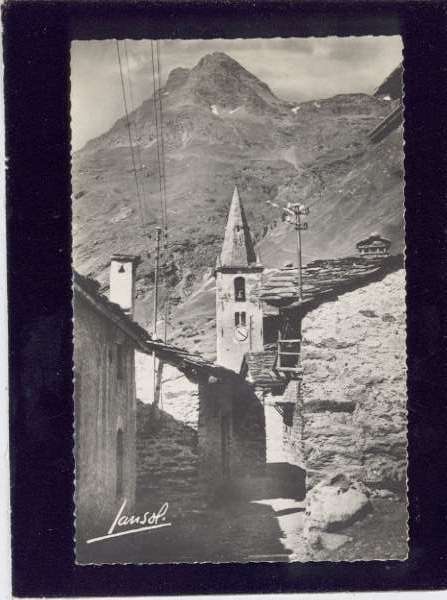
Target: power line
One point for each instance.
(157, 129)
(158, 118)
(129, 133)
(137, 147)
(163, 171)
(163, 162)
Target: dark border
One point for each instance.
(36, 54)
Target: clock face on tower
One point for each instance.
(240, 333)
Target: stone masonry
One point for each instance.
(354, 386)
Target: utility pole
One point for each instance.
(157, 266)
(294, 214)
(155, 384)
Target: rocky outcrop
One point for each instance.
(354, 386)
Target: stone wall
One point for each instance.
(284, 434)
(185, 467)
(354, 386)
(179, 395)
(293, 431)
(104, 404)
(167, 461)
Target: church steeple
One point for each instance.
(239, 318)
(237, 249)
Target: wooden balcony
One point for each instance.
(288, 353)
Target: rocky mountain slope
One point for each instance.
(222, 126)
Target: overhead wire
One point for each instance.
(162, 145)
(157, 129)
(163, 170)
(129, 133)
(158, 118)
(137, 146)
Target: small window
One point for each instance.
(120, 361)
(240, 318)
(239, 289)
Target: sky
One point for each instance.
(296, 69)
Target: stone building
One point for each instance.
(105, 340)
(338, 379)
(221, 449)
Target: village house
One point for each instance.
(105, 340)
(374, 246)
(325, 284)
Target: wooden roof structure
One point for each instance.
(324, 280)
(259, 368)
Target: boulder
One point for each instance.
(334, 503)
(333, 541)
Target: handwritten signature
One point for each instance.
(146, 522)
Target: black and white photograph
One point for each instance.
(239, 308)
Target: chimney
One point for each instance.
(123, 268)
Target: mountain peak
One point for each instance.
(218, 59)
(218, 79)
(177, 77)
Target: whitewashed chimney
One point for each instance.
(123, 269)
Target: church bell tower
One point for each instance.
(238, 310)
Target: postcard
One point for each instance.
(239, 300)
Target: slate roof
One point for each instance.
(374, 240)
(189, 363)
(237, 249)
(324, 280)
(89, 289)
(259, 368)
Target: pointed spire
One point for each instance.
(237, 249)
